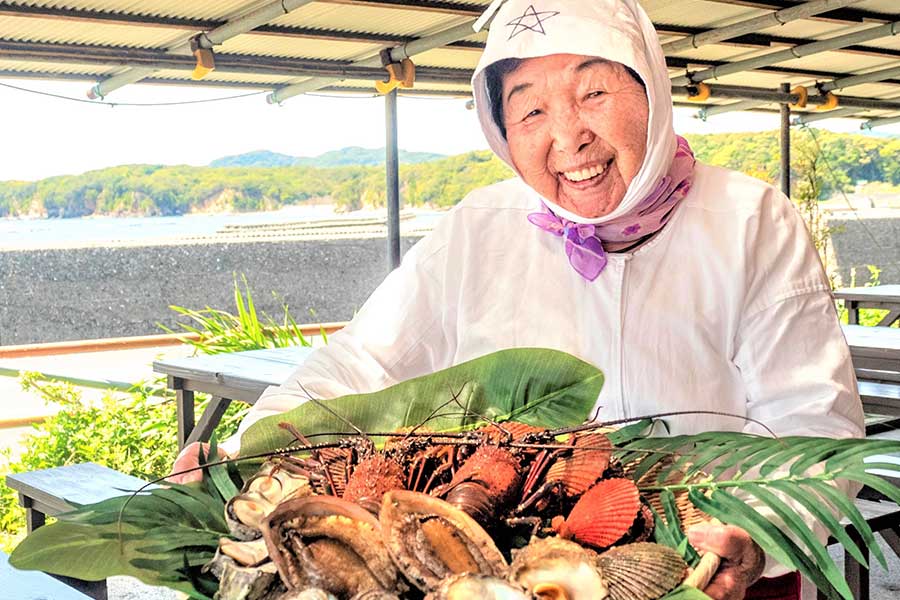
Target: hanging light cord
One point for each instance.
(141, 104)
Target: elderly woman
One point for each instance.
(691, 287)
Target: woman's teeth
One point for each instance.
(583, 174)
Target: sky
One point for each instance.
(44, 136)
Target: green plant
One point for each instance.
(221, 331)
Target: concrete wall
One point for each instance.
(870, 239)
(87, 293)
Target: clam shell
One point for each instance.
(642, 571)
(328, 543)
(429, 540)
(246, 583)
(247, 554)
(243, 514)
(467, 586)
(559, 564)
(580, 468)
(603, 514)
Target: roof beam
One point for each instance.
(154, 60)
(199, 25)
(838, 113)
(780, 17)
(396, 54)
(232, 28)
(452, 8)
(821, 88)
(872, 33)
(842, 15)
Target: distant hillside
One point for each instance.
(835, 161)
(353, 155)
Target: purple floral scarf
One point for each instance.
(586, 245)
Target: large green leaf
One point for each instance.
(160, 537)
(532, 385)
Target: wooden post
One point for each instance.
(392, 173)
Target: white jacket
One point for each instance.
(726, 308)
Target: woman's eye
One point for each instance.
(595, 94)
(533, 113)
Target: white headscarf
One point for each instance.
(616, 30)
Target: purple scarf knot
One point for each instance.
(584, 243)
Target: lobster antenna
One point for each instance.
(674, 413)
(333, 413)
(431, 416)
(468, 412)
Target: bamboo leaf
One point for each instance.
(536, 386)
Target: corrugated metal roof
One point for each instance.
(79, 37)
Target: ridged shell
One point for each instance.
(642, 571)
(495, 434)
(580, 468)
(469, 587)
(429, 540)
(603, 514)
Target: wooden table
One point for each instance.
(886, 297)
(232, 376)
(874, 348)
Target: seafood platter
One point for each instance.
(508, 511)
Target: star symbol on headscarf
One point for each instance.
(531, 20)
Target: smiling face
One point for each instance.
(577, 129)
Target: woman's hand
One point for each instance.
(190, 458)
(742, 559)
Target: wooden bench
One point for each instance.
(884, 519)
(33, 585)
(52, 491)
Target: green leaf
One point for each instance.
(629, 433)
(823, 515)
(846, 507)
(536, 386)
(78, 550)
(798, 527)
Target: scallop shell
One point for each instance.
(468, 586)
(603, 514)
(642, 571)
(580, 468)
(429, 540)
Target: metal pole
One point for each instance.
(392, 178)
(786, 143)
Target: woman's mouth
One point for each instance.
(586, 176)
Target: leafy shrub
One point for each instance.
(134, 432)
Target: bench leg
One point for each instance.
(184, 408)
(33, 517)
(209, 419)
(857, 576)
(892, 537)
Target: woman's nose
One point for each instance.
(570, 134)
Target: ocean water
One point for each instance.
(16, 234)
